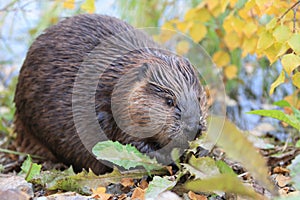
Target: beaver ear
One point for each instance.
(143, 71)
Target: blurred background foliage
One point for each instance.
(255, 45)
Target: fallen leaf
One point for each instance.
(194, 196)
(138, 194)
(280, 170)
(143, 184)
(282, 180)
(100, 193)
(127, 182)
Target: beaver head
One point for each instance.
(157, 103)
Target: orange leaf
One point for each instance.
(138, 193)
(194, 196)
(127, 182)
(100, 193)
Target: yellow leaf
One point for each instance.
(249, 29)
(261, 4)
(198, 32)
(232, 40)
(296, 79)
(216, 11)
(290, 62)
(279, 80)
(223, 4)
(69, 4)
(271, 24)
(274, 51)
(230, 71)
(294, 43)
(196, 14)
(227, 25)
(282, 33)
(89, 6)
(221, 58)
(232, 3)
(184, 26)
(182, 47)
(211, 4)
(249, 45)
(265, 40)
(238, 25)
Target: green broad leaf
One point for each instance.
(224, 168)
(239, 148)
(203, 167)
(223, 182)
(282, 103)
(126, 156)
(82, 182)
(277, 114)
(282, 33)
(295, 172)
(30, 169)
(294, 42)
(157, 186)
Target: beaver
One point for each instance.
(94, 70)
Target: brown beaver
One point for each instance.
(95, 68)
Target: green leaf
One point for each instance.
(30, 169)
(282, 33)
(265, 40)
(125, 156)
(89, 6)
(277, 114)
(82, 182)
(290, 62)
(295, 172)
(203, 167)
(224, 182)
(224, 168)
(282, 103)
(296, 79)
(157, 186)
(294, 43)
(236, 146)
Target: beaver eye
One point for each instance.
(170, 102)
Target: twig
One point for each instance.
(293, 6)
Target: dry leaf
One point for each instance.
(143, 184)
(194, 196)
(280, 170)
(100, 193)
(138, 194)
(127, 182)
(282, 180)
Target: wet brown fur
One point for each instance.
(44, 120)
